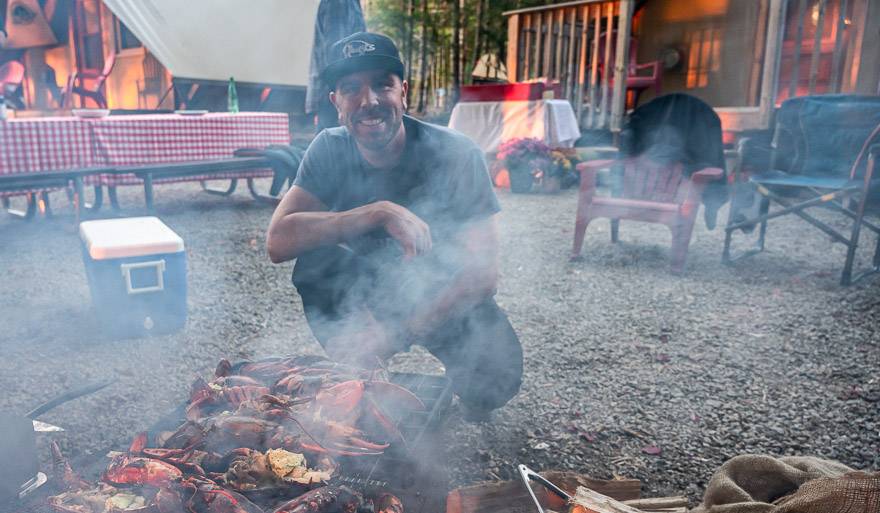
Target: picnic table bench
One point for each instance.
(149, 173)
(74, 179)
(44, 154)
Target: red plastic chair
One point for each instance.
(653, 193)
(638, 78)
(77, 85)
(11, 77)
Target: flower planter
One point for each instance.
(521, 179)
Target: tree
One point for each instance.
(452, 36)
(456, 51)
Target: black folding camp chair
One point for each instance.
(822, 154)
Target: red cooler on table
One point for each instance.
(136, 269)
(517, 91)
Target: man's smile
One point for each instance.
(371, 121)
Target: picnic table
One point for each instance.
(54, 144)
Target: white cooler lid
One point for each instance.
(128, 237)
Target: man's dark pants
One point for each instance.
(481, 352)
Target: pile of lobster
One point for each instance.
(270, 432)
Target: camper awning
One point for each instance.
(267, 42)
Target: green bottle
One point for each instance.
(232, 97)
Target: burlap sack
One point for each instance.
(755, 483)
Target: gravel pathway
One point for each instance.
(630, 371)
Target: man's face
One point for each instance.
(371, 105)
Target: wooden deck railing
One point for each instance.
(571, 43)
(803, 52)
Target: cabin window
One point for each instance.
(125, 38)
(704, 56)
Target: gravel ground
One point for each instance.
(769, 356)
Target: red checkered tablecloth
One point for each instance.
(51, 144)
(45, 144)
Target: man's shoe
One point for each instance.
(474, 414)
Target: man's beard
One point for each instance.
(377, 141)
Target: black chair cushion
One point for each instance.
(822, 135)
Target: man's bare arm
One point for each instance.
(476, 281)
(301, 222)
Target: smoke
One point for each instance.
(363, 298)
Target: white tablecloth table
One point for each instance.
(491, 123)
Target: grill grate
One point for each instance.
(415, 473)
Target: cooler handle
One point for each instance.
(160, 271)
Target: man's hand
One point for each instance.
(302, 223)
(413, 234)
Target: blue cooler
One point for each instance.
(136, 268)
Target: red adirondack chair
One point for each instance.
(652, 192)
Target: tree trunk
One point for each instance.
(442, 65)
(423, 68)
(478, 35)
(456, 52)
(410, 26)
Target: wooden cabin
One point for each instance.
(743, 57)
(165, 54)
(82, 36)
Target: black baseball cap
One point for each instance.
(361, 51)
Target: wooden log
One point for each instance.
(590, 501)
(511, 496)
(658, 503)
(620, 489)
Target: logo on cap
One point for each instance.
(355, 48)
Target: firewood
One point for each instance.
(658, 503)
(511, 496)
(589, 501)
(620, 489)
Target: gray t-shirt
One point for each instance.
(442, 177)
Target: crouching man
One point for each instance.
(391, 222)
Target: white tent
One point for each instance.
(490, 67)
(259, 41)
